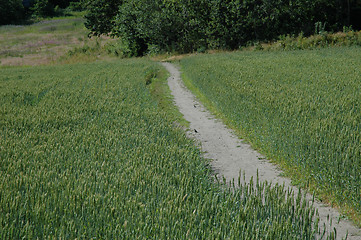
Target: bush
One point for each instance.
(288, 42)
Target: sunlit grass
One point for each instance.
(300, 108)
(43, 42)
(87, 152)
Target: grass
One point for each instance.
(87, 152)
(158, 87)
(300, 108)
(320, 40)
(45, 42)
(92, 151)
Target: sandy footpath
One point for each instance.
(230, 155)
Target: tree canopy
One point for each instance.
(11, 11)
(15, 11)
(189, 25)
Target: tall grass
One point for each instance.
(301, 108)
(85, 152)
(49, 41)
(319, 40)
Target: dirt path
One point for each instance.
(230, 154)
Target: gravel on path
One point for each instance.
(230, 154)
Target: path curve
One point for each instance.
(230, 155)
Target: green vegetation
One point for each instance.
(23, 11)
(65, 40)
(11, 11)
(94, 151)
(48, 40)
(186, 26)
(300, 108)
(320, 40)
(160, 92)
(85, 152)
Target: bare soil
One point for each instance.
(230, 154)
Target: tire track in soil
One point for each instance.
(230, 154)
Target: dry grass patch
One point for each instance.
(44, 42)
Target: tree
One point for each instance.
(43, 8)
(100, 16)
(11, 11)
(190, 25)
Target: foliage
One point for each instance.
(348, 38)
(42, 8)
(100, 16)
(301, 108)
(51, 8)
(170, 26)
(17, 11)
(64, 3)
(11, 11)
(186, 26)
(86, 153)
(78, 6)
(237, 22)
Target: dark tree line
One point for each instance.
(16, 11)
(11, 11)
(188, 25)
